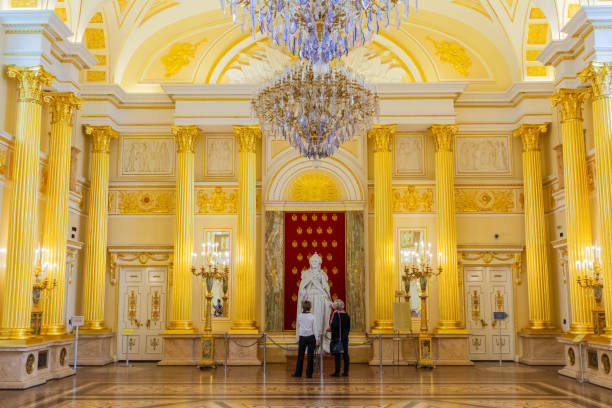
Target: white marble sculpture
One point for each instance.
(314, 287)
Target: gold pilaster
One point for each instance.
(56, 210)
(538, 270)
(183, 232)
(382, 137)
(246, 237)
(17, 296)
(577, 210)
(599, 74)
(448, 281)
(95, 253)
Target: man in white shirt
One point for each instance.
(309, 334)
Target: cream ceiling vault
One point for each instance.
(141, 44)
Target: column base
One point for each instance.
(597, 357)
(181, 349)
(94, 349)
(383, 327)
(396, 350)
(571, 351)
(243, 350)
(23, 367)
(451, 349)
(540, 349)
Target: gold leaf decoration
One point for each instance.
(217, 201)
(454, 54)
(411, 200)
(314, 186)
(179, 56)
(145, 202)
(479, 200)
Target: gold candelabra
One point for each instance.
(589, 276)
(43, 280)
(215, 266)
(418, 266)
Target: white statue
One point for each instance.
(315, 288)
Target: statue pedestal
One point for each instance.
(451, 349)
(597, 358)
(95, 349)
(23, 367)
(181, 349)
(540, 349)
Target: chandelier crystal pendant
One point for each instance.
(318, 30)
(315, 107)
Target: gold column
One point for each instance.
(95, 255)
(382, 137)
(600, 76)
(577, 210)
(56, 209)
(246, 237)
(183, 232)
(17, 296)
(448, 281)
(538, 271)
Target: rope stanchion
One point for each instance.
(380, 347)
(226, 347)
(264, 353)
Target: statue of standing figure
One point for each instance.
(314, 287)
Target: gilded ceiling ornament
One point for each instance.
(454, 54)
(95, 38)
(382, 136)
(101, 137)
(444, 137)
(599, 74)
(314, 186)
(63, 104)
(530, 136)
(179, 56)
(30, 81)
(247, 137)
(570, 101)
(185, 136)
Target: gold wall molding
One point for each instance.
(217, 201)
(411, 200)
(143, 202)
(314, 186)
(487, 257)
(120, 256)
(454, 54)
(470, 200)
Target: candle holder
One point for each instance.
(210, 272)
(418, 267)
(590, 276)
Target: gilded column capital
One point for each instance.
(530, 136)
(599, 74)
(444, 137)
(63, 105)
(30, 82)
(101, 136)
(382, 136)
(247, 137)
(185, 135)
(570, 101)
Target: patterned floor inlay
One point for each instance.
(146, 385)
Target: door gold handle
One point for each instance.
(483, 323)
(148, 323)
(494, 323)
(137, 323)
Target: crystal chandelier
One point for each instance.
(318, 30)
(315, 107)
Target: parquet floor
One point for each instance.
(146, 385)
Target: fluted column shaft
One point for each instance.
(97, 225)
(577, 209)
(56, 210)
(448, 281)
(538, 270)
(17, 296)
(382, 137)
(600, 76)
(183, 231)
(246, 237)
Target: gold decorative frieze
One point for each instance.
(145, 202)
(217, 201)
(411, 200)
(477, 200)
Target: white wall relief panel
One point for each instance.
(409, 153)
(481, 155)
(219, 156)
(147, 156)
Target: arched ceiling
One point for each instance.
(143, 43)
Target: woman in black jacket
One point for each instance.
(340, 326)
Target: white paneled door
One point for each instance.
(488, 289)
(142, 308)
